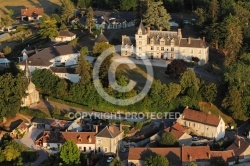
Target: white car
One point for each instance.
(109, 159)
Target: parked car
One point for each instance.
(109, 159)
(195, 138)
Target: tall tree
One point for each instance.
(90, 19)
(83, 3)
(156, 16)
(67, 9)
(84, 51)
(168, 139)
(214, 10)
(200, 12)
(101, 47)
(127, 4)
(116, 162)
(156, 160)
(209, 92)
(84, 70)
(48, 28)
(69, 153)
(12, 151)
(233, 41)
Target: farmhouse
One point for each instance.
(31, 14)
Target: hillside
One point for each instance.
(48, 5)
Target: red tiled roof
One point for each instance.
(61, 137)
(227, 155)
(179, 127)
(195, 153)
(29, 12)
(172, 154)
(177, 130)
(200, 117)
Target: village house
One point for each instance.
(198, 154)
(64, 36)
(180, 133)
(32, 95)
(159, 44)
(85, 141)
(227, 155)
(66, 72)
(137, 156)
(107, 140)
(20, 130)
(31, 14)
(3, 60)
(203, 124)
(241, 148)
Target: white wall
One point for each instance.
(72, 77)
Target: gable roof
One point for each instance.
(227, 156)
(175, 132)
(43, 57)
(239, 146)
(101, 38)
(142, 28)
(61, 137)
(195, 153)
(109, 132)
(173, 154)
(29, 12)
(201, 117)
(66, 33)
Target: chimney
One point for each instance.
(96, 128)
(148, 30)
(179, 34)
(160, 28)
(189, 40)
(208, 155)
(120, 127)
(189, 157)
(239, 143)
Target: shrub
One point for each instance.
(7, 50)
(35, 113)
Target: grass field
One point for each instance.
(48, 5)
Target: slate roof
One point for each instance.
(239, 146)
(142, 28)
(172, 154)
(30, 12)
(66, 33)
(61, 137)
(109, 132)
(101, 38)
(63, 70)
(43, 57)
(201, 117)
(195, 153)
(195, 43)
(128, 40)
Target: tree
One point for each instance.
(48, 28)
(201, 16)
(214, 10)
(90, 19)
(156, 160)
(233, 40)
(12, 151)
(67, 9)
(83, 3)
(101, 47)
(7, 50)
(116, 162)
(127, 4)
(209, 92)
(84, 51)
(84, 70)
(176, 68)
(63, 27)
(168, 139)
(233, 103)
(74, 42)
(104, 68)
(218, 162)
(192, 164)
(156, 16)
(69, 153)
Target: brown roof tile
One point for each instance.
(66, 33)
(200, 117)
(30, 12)
(227, 155)
(109, 132)
(172, 154)
(239, 146)
(175, 132)
(195, 43)
(195, 153)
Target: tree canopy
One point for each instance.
(168, 139)
(69, 153)
(156, 160)
(176, 68)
